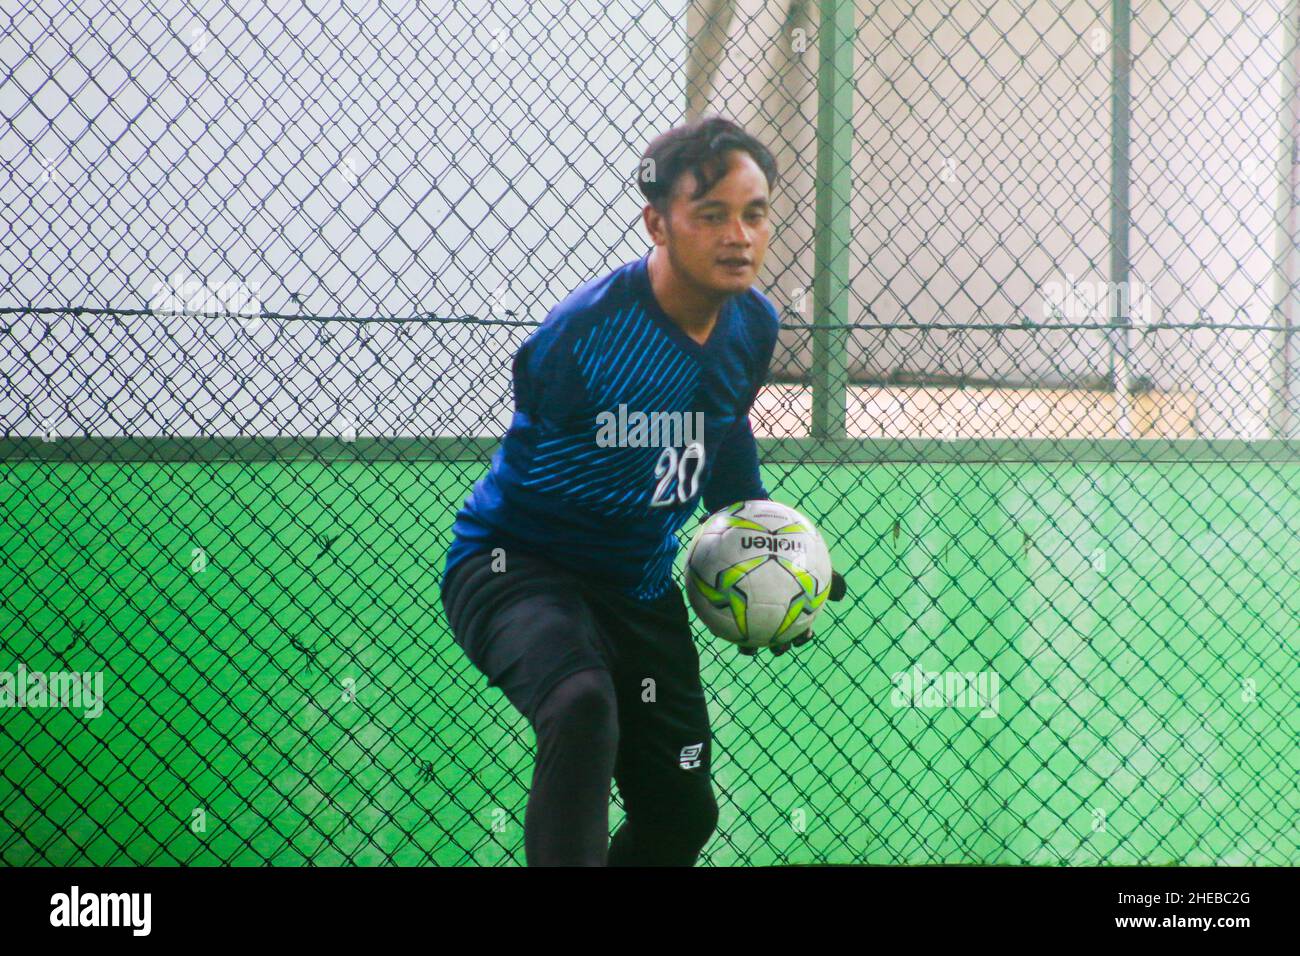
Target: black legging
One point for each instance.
(567, 821)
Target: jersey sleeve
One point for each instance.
(735, 475)
(549, 388)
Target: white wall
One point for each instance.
(982, 172)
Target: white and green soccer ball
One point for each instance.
(757, 573)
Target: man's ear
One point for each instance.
(655, 224)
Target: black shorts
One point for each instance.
(529, 626)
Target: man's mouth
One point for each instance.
(736, 263)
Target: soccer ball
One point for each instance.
(757, 573)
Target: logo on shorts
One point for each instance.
(690, 758)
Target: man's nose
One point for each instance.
(738, 233)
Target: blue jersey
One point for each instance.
(623, 425)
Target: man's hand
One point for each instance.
(838, 590)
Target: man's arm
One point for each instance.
(735, 474)
(549, 388)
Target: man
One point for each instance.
(558, 586)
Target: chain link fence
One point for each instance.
(265, 269)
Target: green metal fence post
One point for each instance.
(1120, 115)
(834, 193)
(1282, 418)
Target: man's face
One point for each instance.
(718, 241)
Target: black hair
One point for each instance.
(699, 147)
